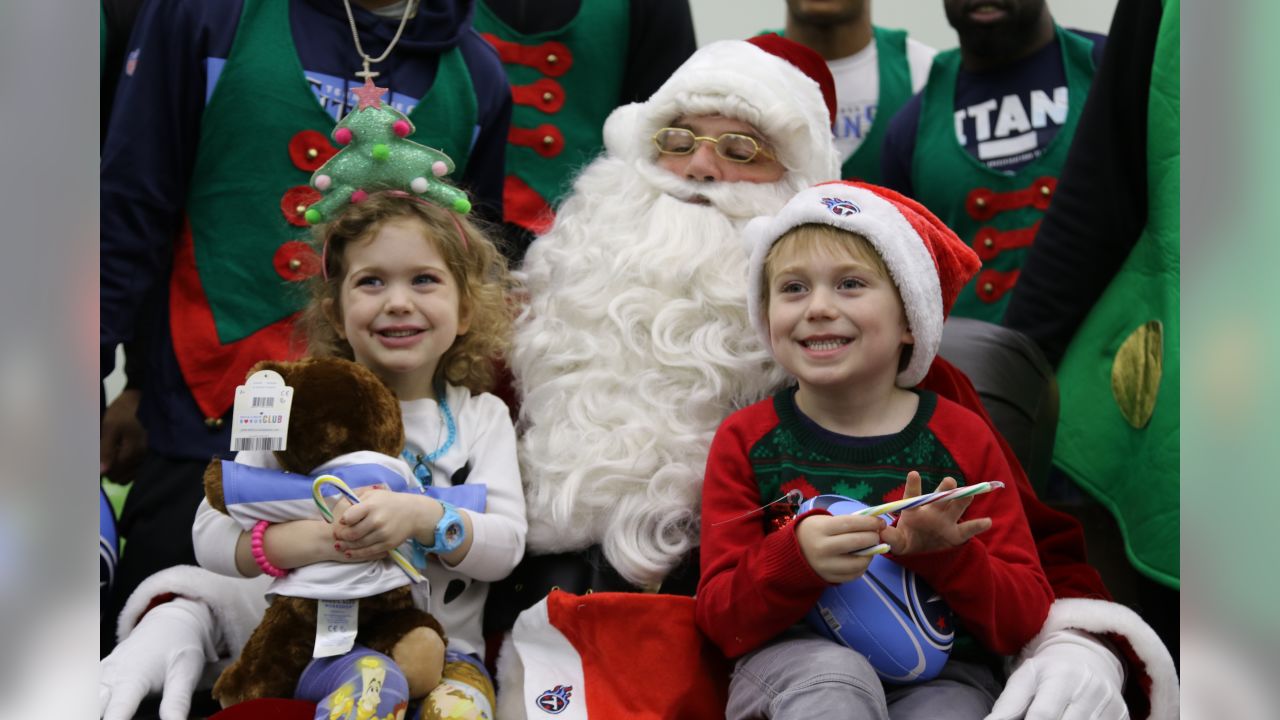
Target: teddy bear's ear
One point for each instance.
(283, 368)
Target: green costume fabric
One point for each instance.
(561, 100)
(1118, 435)
(242, 167)
(988, 208)
(895, 91)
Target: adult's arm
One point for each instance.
(899, 147)
(148, 156)
(1100, 205)
(485, 165)
(1082, 601)
(661, 39)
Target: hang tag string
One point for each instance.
(793, 497)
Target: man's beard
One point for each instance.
(633, 349)
(998, 41)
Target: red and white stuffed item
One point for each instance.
(611, 655)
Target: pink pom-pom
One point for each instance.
(418, 185)
(401, 128)
(342, 135)
(439, 168)
(359, 196)
(322, 182)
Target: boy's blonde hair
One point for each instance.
(472, 258)
(819, 239)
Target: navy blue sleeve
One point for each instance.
(899, 147)
(660, 40)
(1100, 205)
(485, 165)
(149, 152)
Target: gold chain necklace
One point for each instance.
(368, 74)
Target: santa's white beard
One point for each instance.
(635, 346)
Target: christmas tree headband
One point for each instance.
(377, 156)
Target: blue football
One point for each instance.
(888, 615)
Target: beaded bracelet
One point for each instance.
(259, 556)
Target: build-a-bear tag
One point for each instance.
(260, 419)
(335, 627)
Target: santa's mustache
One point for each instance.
(739, 200)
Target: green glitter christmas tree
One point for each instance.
(376, 156)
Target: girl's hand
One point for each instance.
(381, 522)
(827, 541)
(935, 526)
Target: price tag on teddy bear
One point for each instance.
(335, 627)
(260, 419)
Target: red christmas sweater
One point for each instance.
(756, 583)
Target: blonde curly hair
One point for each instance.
(472, 258)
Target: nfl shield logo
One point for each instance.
(132, 63)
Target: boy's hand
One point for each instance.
(935, 526)
(381, 522)
(828, 541)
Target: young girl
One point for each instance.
(417, 295)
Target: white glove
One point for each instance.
(165, 653)
(1069, 676)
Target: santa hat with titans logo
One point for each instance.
(779, 86)
(927, 262)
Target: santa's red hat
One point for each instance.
(779, 86)
(927, 262)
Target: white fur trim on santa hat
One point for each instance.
(237, 603)
(1100, 617)
(858, 210)
(738, 80)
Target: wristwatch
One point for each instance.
(450, 532)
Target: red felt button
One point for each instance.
(295, 261)
(295, 202)
(309, 150)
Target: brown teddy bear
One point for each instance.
(339, 407)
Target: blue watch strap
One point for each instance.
(450, 533)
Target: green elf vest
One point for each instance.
(996, 213)
(564, 83)
(1118, 433)
(895, 91)
(240, 257)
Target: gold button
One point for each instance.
(552, 59)
(294, 264)
(1045, 191)
(299, 208)
(988, 243)
(547, 97)
(980, 202)
(313, 153)
(988, 288)
(213, 422)
(548, 140)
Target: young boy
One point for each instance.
(849, 285)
